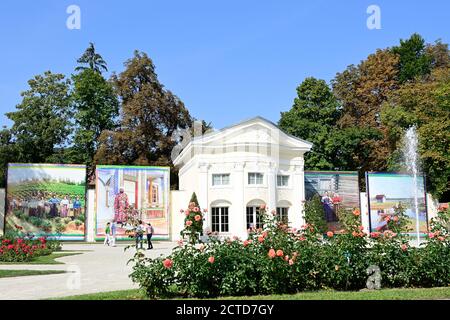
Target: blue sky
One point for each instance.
(394, 186)
(226, 60)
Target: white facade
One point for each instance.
(235, 170)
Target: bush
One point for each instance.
(22, 250)
(278, 260)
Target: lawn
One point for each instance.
(49, 259)
(22, 273)
(384, 294)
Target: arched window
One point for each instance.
(253, 216)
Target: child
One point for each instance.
(107, 234)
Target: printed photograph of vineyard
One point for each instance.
(46, 199)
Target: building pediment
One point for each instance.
(249, 135)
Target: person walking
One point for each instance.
(113, 234)
(139, 235)
(150, 231)
(107, 234)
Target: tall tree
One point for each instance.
(92, 60)
(96, 109)
(149, 116)
(312, 117)
(41, 122)
(414, 60)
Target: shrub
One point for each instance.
(193, 222)
(22, 250)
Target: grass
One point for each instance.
(49, 259)
(384, 294)
(22, 273)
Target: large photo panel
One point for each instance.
(386, 190)
(127, 193)
(46, 200)
(338, 191)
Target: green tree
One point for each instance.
(91, 60)
(41, 123)
(312, 117)
(149, 117)
(414, 60)
(96, 109)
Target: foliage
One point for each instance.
(314, 214)
(96, 109)
(23, 249)
(149, 117)
(92, 59)
(312, 117)
(193, 222)
(414, 60)
(41, 122)
(427, 106)
(277, 259)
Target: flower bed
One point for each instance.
(23, 250)
(278, 259)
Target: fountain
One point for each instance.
(412, 165)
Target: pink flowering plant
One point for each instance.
(193, 222)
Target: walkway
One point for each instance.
(97, 269)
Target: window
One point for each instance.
(219, 219)
(254, 218)
(282, 214)
(282, 181)
(220, 179)
(255, 178)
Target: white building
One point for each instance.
(237, 169)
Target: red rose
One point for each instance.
(279, 253)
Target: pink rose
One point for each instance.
(188, 223)
(168, 263)
(198, 217)
(279, 253)
(271, 253)
(330, 234)
(211, 259)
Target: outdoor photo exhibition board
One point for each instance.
(46, 200)
(338, 190)
(387, 190)
(125, 194)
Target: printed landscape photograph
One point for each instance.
(338, 192)
(388, 190)
(126, 195)
(46, 200)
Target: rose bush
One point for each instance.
(22, 249)
(276, 259)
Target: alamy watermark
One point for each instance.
(374, 20)
(73, 21)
